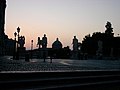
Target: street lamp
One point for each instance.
(18, 30)
(14, 54)
(17, 56)
(31, 47)
(31, 44)
(118, 35)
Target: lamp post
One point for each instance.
(118, 35)
(31, 47)
(14, 54)
(18, 30)
(17, 56)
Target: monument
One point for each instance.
(75, 48)
(44, 47)
(109, 29)
(39, 43)
(44, 42)
(21, 47)
(21, 41)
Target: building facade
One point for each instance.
(6, 44)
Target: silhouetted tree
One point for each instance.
(90, 43)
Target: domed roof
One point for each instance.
(57, 44)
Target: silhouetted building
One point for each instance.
(58, 51)
(6, 44)
(57, 44)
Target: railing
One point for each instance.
(95, 80)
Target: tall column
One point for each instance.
(2, 15)
(2, 23)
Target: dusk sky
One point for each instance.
(60, 18)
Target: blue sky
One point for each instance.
(60, 18)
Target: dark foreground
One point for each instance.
(82, 80)
(60, 74)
